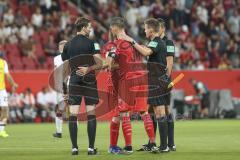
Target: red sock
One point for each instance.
(148, 125)
(114, 132)
(127, 130)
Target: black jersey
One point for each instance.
(170, 46)
(157, 70)
(158, 47)
(79, 51)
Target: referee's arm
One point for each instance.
(66, 66)
(170, 56)
(145, 51)
(100, 62)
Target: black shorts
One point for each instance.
(161, 100)
(80, 87)
(158, 93)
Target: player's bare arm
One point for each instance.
(11, 81)
(169, 65)
(100, 64)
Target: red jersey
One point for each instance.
(119, 83)
(112, 75)
(127, 56)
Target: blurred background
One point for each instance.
(206, 35)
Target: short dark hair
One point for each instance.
(119, 22)
(81, 22)
(153, 23)
(162, 22)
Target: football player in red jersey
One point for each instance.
(125, 56)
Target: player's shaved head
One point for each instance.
(81, 22)
(153, 24)
(118, 22)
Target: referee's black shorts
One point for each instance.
(159, 101)
(80, 87)
(161, 95)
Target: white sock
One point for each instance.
(2, 126)
(58, 122)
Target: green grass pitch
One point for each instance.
(196, 140)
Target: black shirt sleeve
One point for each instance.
(65, 55)
(154, 46)
(95, 47)
(170, 48)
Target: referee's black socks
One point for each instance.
(163, 131)
(170, 130)
(73, 130)
(91, 129)
(154, 120)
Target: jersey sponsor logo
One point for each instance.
(153, 44)
(96, 46)
(170, 49)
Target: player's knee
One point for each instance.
(159, 111)
(167, 110)
(73, 110)
(90, 109)
(116, 119)
(124, 114)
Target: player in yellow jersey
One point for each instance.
(3, 95)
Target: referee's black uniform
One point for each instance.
(157, 72)
(80, 51)
(158, 59)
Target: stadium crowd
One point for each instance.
(206, 33)
(26, 107)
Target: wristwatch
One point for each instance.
(133, 42)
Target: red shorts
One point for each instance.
(132, 94)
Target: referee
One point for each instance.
(167, 97)
(156, 51)
(169, 57)
(78, 48)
